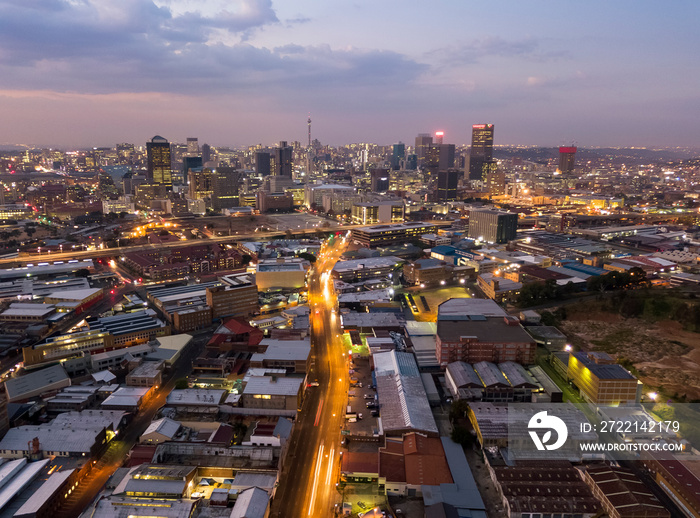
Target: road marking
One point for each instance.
(319, 458)
(318, 413)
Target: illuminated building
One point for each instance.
(158, 161)
(601, 380)
(224, 183)
(495, 181)
(200, 183)
(283, 160)
(379, 179)
(370, 213)
(423, 142)
(440, 157)
(493, 226)
(447, 182)
(481, 149)
(567, 158)
(192, 146)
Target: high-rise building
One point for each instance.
(481, 149)
(158, 161)
(493, 226)
(567, 159)
(398, 154)
(495, 181)
(379, 179)
(206, 153)
(423, 142)
(283, 159)
(447, 181)
(439, 135)
(190, 162)
(192, 146)
(200, 183)
(262, 163)
(440, 157)
(224, 183)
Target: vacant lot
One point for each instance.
(663, 354)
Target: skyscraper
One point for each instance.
(283, 160)
(200, 183)
(262, 163)
(192, 146)
(439, 135)
(224, 183)
(447, 182)
(423, 142)
(206, 153)
(567, 159)
(439, 157)
(481, 149)
(398, 154)
(158, 161)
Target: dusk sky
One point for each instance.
(79, 73)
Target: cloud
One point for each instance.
(477, 50)
(108, 46)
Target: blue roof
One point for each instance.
(444, 249)
(591, 270)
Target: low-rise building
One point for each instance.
(383, 235)
(292, 355)
(148, 374)
(498, 288)
(428, 272)
(273, 392)
(35, 383)
(280, 274)
(622, 494)
(601, 381)
(475, 330)
(164, 429)
(367, 268)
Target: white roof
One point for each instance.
(466, 306)
(121, 506)
(28, 310)
(283, 350)
(104, 376)
(29, 473)
(251, 503)
(74, 294)
(46, 491)
(279, 386)
(176, 342)
(36, 382)
(164, 426)
(118, 353)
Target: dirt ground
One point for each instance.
(665, 356)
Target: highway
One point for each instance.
(113, 252)
(308, 481)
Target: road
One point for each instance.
(112, 252)
(308, 482)
(120, 446)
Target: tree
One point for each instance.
(309, 257)
(462, 436)
(245, 260)
(181, 384)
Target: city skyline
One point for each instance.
(83, 74)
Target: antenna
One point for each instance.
(309, 123)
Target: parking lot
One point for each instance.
(360, 395)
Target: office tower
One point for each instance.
(192, 146)
(190, 162)
(447, 181)
(423, 142)
(439, 135)
(398, 154)
(224, 183)
(379, 180)
(481, 149)
(283, 160)
(411, 162)
(493, 226)
(262, 163)
(495, 181)
(158, 161)
(567, 158)
(440, 157)
(206, 153)
(200, 183)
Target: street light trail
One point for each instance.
(319, 459)
(318, 413)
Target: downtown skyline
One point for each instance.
(86, 73)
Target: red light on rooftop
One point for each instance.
(440, 133)
(567, 149)
(479, 126)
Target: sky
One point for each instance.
(82, 73)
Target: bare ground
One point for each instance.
(663, 353)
